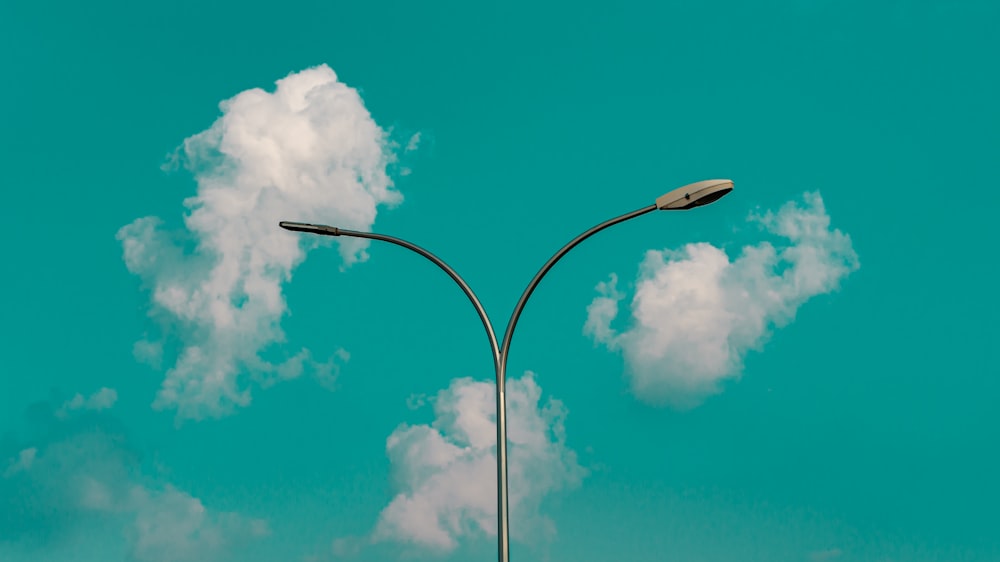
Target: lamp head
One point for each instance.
(694, 195)
(310, 228)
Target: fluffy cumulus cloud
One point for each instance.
(696, 312)
(308, 151)
(81, 476)
(446, 471)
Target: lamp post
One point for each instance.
(687, 197)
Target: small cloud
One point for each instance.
(259, 527)
(22, 463)
(148, 352)
(348, 547)
(416, 401)
(413, 143)
(603, 310)
(103, 399)
(325, 372)
(696, 313)
(825, 555)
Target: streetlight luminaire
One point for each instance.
(694, 195)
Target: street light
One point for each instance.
(687, 197)
(694, 195)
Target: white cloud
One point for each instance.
(309, 151)
(825, 555)
(171, 525)
(91, 475)
(23, 462)
(148, 352)
(695, 313)
(413, 143)
(100, 400)
(446, 471)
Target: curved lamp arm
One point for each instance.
(333, 231)
(509, 332)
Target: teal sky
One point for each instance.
(802, 372)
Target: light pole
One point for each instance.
(687, 197)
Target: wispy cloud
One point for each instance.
(83, 470)
(825, 555)
(169, 524)
(695, 313)
(446, 471)
(307, 151)
(25, 458)
(100, 400)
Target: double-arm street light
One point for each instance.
(688, 197)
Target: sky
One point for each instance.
(802, 371)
